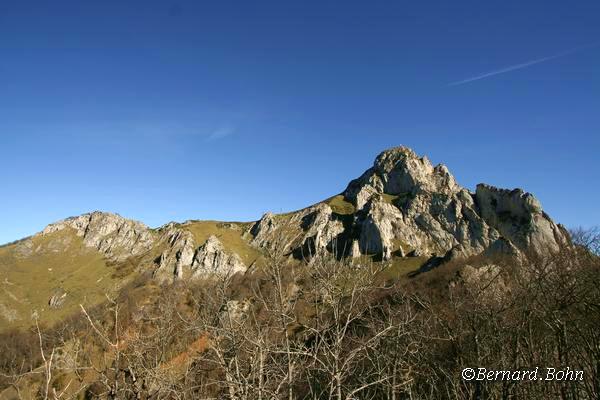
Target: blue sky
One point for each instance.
(189, 110)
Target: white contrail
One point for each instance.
(519, 66)
(220, 133)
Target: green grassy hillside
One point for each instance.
(32, 271)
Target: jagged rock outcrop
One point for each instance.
(320, 229)
(112, 235)
(399, 171)
(119, 238)
(404, 199)
(519, 217)
(264, 230)
(179, 252)
(211, 258)
(406, 206)
(305, 233)
(431, 213)
(183, 259)
(377, 228)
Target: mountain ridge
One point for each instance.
(400, 187)
(402, 210)
(397, 172)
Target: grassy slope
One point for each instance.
(59, 261)
(400, 267)
(27, 283)
(339, 205)
(231, 238)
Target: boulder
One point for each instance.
(57, 299)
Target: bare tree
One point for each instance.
(278, 300)
(338, 336)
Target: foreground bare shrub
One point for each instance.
(330, 328)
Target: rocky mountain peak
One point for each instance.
(404, 205)
(116, 237)
(400, 171)
(390, 159)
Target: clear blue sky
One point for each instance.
(223, 110)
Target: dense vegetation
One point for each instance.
(327, 329)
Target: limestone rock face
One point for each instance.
(320, 229)
(263, 231)
(399, 171)
(378, 226)
(406, 200)
(406, 206)
(112, 235)
(304, 233)
(179, 254)
(519, 218)
(185, 257)
(211, 258)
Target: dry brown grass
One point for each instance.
(339, 205)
